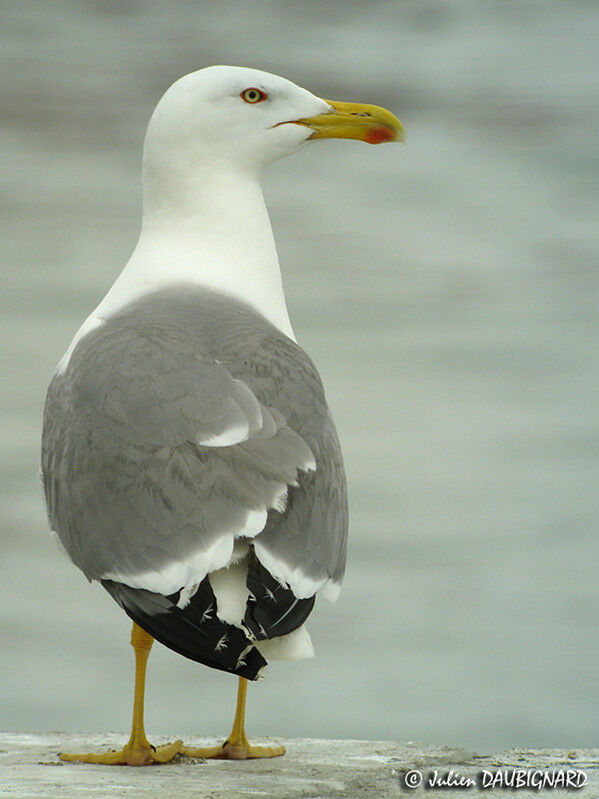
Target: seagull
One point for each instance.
(189, 459)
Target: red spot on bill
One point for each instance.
(379, 134)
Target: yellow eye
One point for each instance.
(253, 95)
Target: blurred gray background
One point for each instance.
(447, 292)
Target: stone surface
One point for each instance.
(311, 769)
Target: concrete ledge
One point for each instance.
(311, 769)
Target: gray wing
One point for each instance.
(307, 550)
(156, 458)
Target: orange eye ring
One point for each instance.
(253, 95)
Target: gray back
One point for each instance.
(129, 489)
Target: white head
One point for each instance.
(224, 119)
(231, 116)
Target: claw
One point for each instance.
(129, 755)
(233, 751)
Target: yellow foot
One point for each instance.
(130, 755)
(240, 750)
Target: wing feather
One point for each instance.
(170, 459)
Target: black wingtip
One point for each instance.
(197, 633)
(194, 631)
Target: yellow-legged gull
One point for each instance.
(190, 462)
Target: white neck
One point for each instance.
(214, 232)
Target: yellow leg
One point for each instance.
(138, 751)
(237, 746)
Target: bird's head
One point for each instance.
(248, 118)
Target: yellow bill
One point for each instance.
(369, 123)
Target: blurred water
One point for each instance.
(447, 292)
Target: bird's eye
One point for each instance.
(253, 95)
